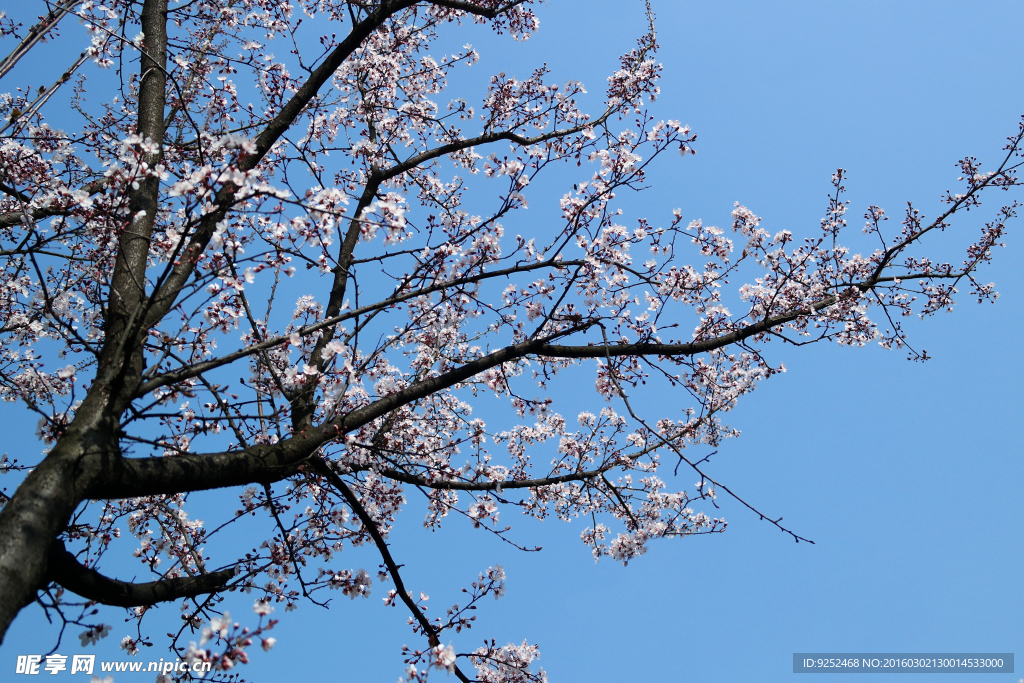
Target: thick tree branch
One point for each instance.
(128, 283)
(20, 217)
(68, 572)
(43, 503)
(473, 8)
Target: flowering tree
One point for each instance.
(281, 278)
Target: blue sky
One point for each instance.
(907, 476)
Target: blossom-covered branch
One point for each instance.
(289, 280)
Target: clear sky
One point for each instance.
(907, 476)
